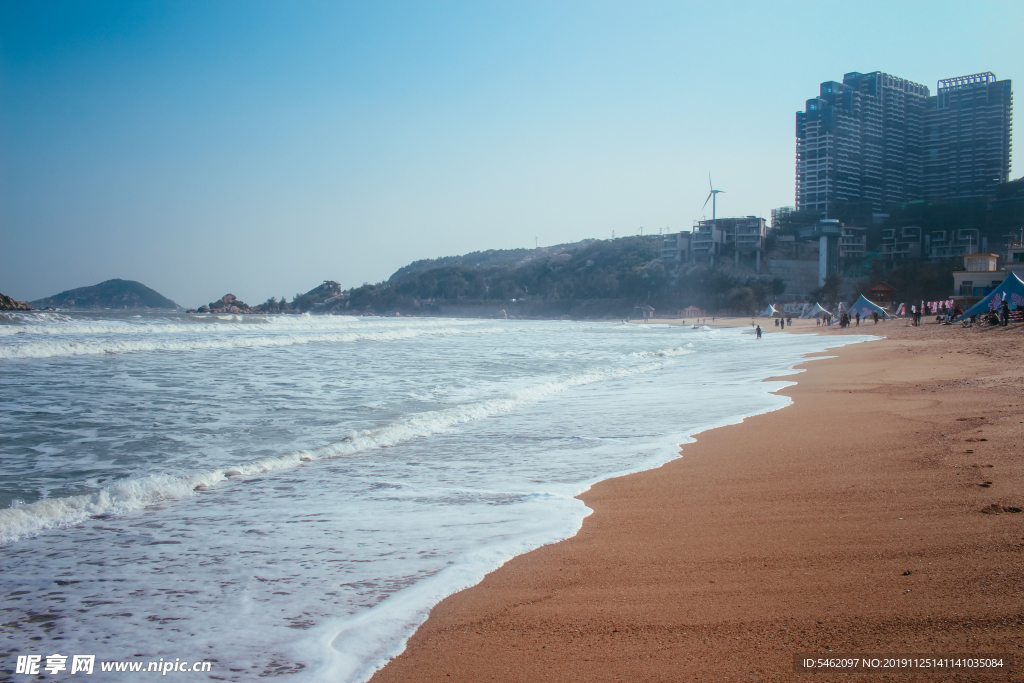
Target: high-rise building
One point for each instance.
(860, 140)
(967, 136)
(878, 139)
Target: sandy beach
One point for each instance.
(878, 514)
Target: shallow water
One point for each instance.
(291, 495)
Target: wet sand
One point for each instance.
(875, 515)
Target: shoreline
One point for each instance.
(787, 533)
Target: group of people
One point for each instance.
(779, 322)
(1002, 317)
(846, 320)
(943, 313)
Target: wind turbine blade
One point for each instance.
(706, 201)
(712, 187)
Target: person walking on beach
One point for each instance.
(758, 331)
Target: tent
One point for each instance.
(1012, 290)
(772, 312)
(817, 312)
(866, 308)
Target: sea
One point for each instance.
(291, 495)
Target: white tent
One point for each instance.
(866, 308)
(817, 311)
(772, 312)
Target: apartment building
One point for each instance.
(881, 139)
(901, 243)
(729, 236)
(968, 128)
(860, 140)
(675, 249)
(941, 244)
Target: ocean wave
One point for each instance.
(55, 324)
(49, 349)
(9, 319)
(129, 495)
(677, 351)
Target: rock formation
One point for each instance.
(229, 303)
(9, 304)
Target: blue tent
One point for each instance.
(866, 308)
(1012, 290)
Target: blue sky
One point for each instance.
(259, 147)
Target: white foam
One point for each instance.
(354, 649)
(50, 349)
(324, 571)
(137, 493)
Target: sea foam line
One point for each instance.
(51, 349)
(61, 325)
(128, 495)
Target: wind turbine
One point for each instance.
(712, 196)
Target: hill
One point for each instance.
(491, 257)
(109, 294)
(593, 278)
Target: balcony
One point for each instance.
(948, 250)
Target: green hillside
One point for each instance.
(109, 294)
(594, 278)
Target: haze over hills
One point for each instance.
(490, 257)
(592, 278)
(110, 294)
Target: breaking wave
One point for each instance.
(48, 349)
(131, 494)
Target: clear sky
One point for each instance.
(260, 148)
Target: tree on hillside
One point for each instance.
(829, 292)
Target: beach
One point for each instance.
(296, 493)
(879, 514)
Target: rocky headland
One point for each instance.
(229, 303)
(327, 297)
(9, 304)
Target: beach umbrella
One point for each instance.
(1011, 290)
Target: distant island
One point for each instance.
(110, 294)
